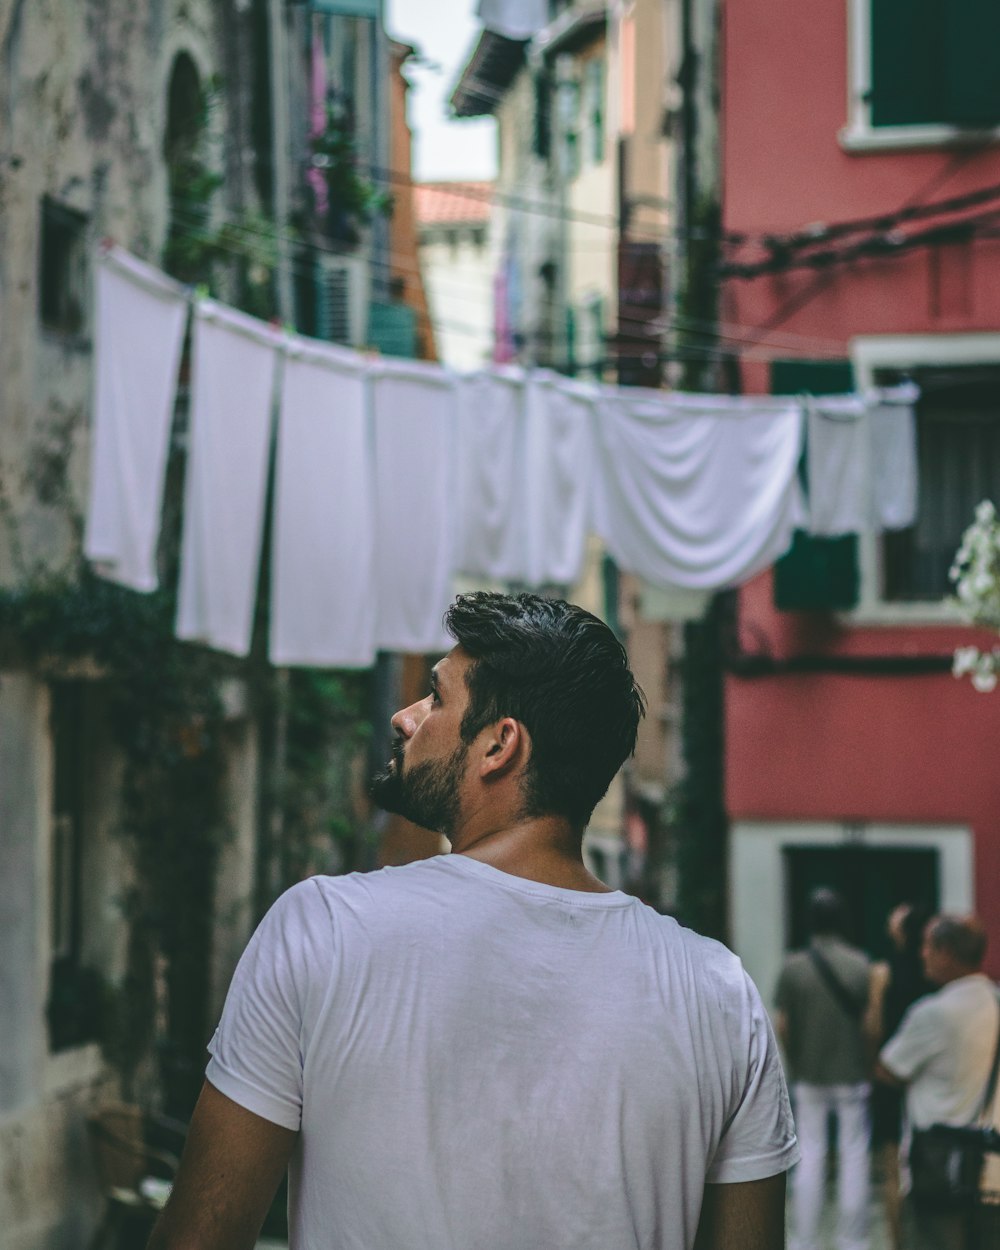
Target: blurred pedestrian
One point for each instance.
(491, 1048)
(943, 1054)
(896, 983)
(823, 1001)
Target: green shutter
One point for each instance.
(972, 62)
(906, 72)
(595, 107)
(935, 62)
(392, 328)
(817, 574)
(348, 8)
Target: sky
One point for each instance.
(445, 32)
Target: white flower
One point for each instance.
(984, 681)
(985, 512)
(964, 661)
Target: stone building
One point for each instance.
(152, 123)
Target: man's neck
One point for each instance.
(544, 849)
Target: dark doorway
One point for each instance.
(872, 881)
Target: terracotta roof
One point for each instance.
(437, 203)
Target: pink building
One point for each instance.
(861, 172)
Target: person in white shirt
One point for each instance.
(942, 1053)
(491, 1050)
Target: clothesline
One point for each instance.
(393, 476)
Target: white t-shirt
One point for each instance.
(481, 1062)
(943, 1049)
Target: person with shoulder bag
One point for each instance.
(946, 1053)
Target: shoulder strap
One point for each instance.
(845, 999)
(991, 1084)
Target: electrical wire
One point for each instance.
(726, 333)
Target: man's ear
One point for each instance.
(505, 746)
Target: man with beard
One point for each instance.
(491, 1050)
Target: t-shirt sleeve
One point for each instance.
(759, 1139)
(917, 1040)
(256, 1052)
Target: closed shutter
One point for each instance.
(392, 328)
(348, 8)
(817, 574)
(972, 62)
(333, 303)
(935, 62)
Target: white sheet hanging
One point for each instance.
(515, 19)
(838, 470)
(140, 317)
(414, 407)
(558, 477)
(696, 491)
(862, 461)
(232, 393)
(894, 457)
(322, 570)
(491, 521)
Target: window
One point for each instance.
(922, 69)
(62, 268)
(904, 575)
(75, 993)
(958, 465)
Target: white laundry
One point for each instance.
(514, 19)
(558, 477)
(862, 462)
(414, 406)
(894, 457)
(838, 470)
(491, 523)
(696, 491)
(322, 584)
(232, 390)
(140, 317)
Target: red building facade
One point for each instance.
(861, 205)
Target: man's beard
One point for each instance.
(427, 793)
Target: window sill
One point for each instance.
(887, 614)
(860, 138)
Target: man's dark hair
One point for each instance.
(962, 937)
(825, 913)
(563, 674)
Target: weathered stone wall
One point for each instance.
(83, 112)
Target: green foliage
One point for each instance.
(326, 730)
(168, 721)
(355, 199)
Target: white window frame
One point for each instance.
(758, 902)
(907, 351)
(859, 135)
